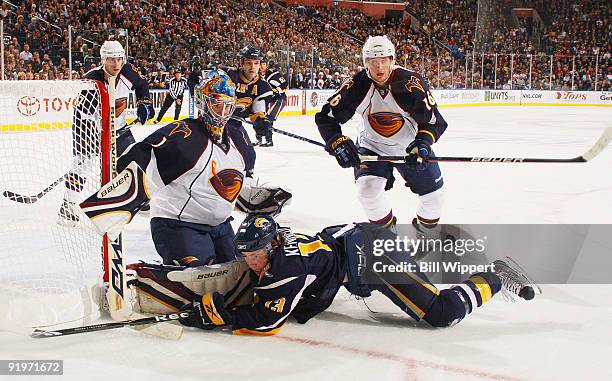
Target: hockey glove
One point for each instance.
(419, 151)
(207, 312)
(144, 110)
(192, 80)
(345, 151)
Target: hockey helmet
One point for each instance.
(215, 98)
(377, 46)
(256, 232)
(251, 53)
(111, 48)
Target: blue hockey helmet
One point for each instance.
(215, 98)
(256, 232)
(251, 53)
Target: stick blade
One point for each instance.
(41, 334)
(19, 198)
(599, 145)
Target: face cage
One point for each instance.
(216, 121)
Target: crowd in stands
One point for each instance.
(320, 47)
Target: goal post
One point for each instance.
(55, 143)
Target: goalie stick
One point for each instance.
(39, 333)
(595, 150)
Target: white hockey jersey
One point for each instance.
(197, 180)
(391, 117)
(128, 80)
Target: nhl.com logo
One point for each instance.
(28, 105)
(314, 99)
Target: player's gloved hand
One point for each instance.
(344, 150)
(419, 151)
(207, 312)
(144, 110)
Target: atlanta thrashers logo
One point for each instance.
(414, 82)
(182, 128)
(386, 123)
(120, 106)
(227, 183)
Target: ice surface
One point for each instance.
(563, 335)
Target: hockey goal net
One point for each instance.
(54, 152)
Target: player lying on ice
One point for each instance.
(297, 275)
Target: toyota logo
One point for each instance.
(28, 106)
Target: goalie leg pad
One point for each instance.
(118, 201)
(162, 289)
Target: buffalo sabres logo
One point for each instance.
(261, 222)
(414, 83)
(181, 128)
(120, 106)
(227, 183)
(386, 123)
(244, 103)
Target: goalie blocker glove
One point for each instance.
(118, 201)
(344, 150)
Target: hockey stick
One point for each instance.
(291, 135)
(25, 199)
(595, 150)
(41, 334)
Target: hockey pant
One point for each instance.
(191, 244)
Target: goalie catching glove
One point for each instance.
(206, 312)
(118, 201)
(255, 199)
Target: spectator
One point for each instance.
(26, 55)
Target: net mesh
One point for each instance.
(50, 255)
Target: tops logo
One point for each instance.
(28, 106)
(570, 96)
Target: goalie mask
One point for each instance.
(255, 233)
(215, 98)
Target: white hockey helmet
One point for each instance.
(111, 49)
(377, 46)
